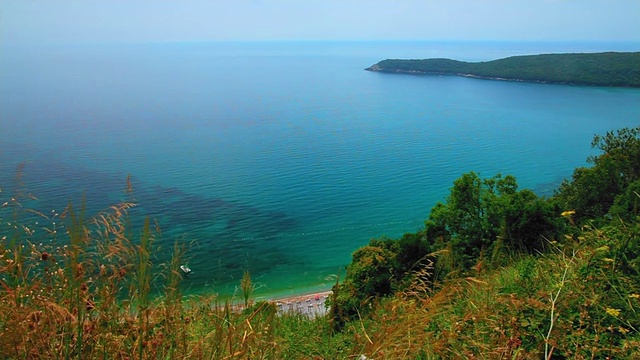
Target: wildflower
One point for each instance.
(568, 213)
(634, 296)
(613, 312)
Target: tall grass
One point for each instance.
(79, 287)
(575, 302)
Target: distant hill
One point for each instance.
(596, 69)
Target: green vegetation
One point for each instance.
(496, 272)
(77, 288)
(598, 69)
(246, 286)
(608, 188)
(500, 268)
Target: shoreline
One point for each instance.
(266, 294)
(308, 303)
(599, 69)
(311, 305)
(303, 296)
(481, 77)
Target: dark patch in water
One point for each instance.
(239, 245)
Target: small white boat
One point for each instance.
(185, 269)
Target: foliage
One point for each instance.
(599, 69)
(479, 212)
(246, 286)
(531, 289)
(80, 288)
(609, 187)
(369, 275)
(575, 301)
(480, 216)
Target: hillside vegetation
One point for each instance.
(497, 273)
(597, 69)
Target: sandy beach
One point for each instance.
(311, 305)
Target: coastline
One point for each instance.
(266, 293)
(302, 296)
(311, 305)
(480, 77)
(308, 303)
(294, 295)
(603, 69)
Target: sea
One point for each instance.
(282, 158)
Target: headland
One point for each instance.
(613, 69)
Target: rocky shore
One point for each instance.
(311, 305)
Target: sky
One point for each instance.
(132, 21)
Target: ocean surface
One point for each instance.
(282, 158)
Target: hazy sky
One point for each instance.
(71, 21)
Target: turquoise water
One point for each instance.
(283, 158)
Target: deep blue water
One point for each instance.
(283, 158)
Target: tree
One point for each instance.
(592, 191)
(369, 276)
(528, 222)
(479, 211)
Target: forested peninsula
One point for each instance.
(619, 69)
